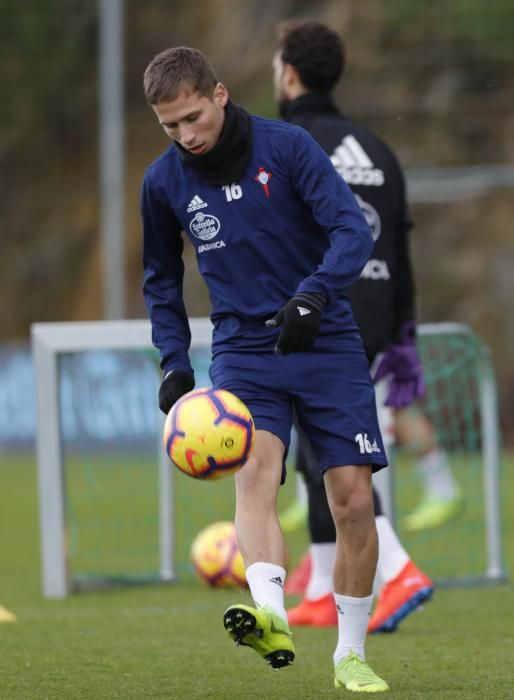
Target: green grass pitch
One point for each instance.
(167, 641)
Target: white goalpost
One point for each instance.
(51, 342)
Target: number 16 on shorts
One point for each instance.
(364, 444)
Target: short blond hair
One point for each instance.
(173, 69)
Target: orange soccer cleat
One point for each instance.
(320, 612)
(399, 598)
(298, 579)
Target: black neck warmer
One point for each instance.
(227, 161)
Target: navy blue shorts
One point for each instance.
(331, 392)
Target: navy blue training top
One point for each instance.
(290, 224)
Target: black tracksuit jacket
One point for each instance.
(384, 296)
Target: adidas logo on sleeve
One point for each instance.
(195, 204)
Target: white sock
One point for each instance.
(392, 557)
(323, 558)
(352, 621)
(266, 583)
(438, 481)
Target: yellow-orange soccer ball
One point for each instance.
(216, 557)
(209, 433)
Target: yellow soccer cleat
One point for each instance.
(262, 630)
(294, 517)
(354, 674)
(432, 513)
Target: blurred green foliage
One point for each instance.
(47, 72)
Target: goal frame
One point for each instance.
(50, 340)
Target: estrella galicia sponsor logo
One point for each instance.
(210, 246)
(372, 217)
(204, 226)
(374, 269)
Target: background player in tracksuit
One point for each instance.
(278, 236)
(307, 65)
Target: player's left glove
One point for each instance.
(402, 363)
(175, 384)
(300, 319)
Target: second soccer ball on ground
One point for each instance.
(216, 557)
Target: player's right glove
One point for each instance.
(300, 319)
(402, 364)
(175, 384)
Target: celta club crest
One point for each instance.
(263, 177)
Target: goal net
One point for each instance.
(113, 511)
(461, 405)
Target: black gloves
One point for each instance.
(301, 318)
(174, 385)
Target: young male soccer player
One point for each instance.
(307, 65)
(278, 237)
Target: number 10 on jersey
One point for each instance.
(232, 191)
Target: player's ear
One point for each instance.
(220, 95)
(291, 77)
